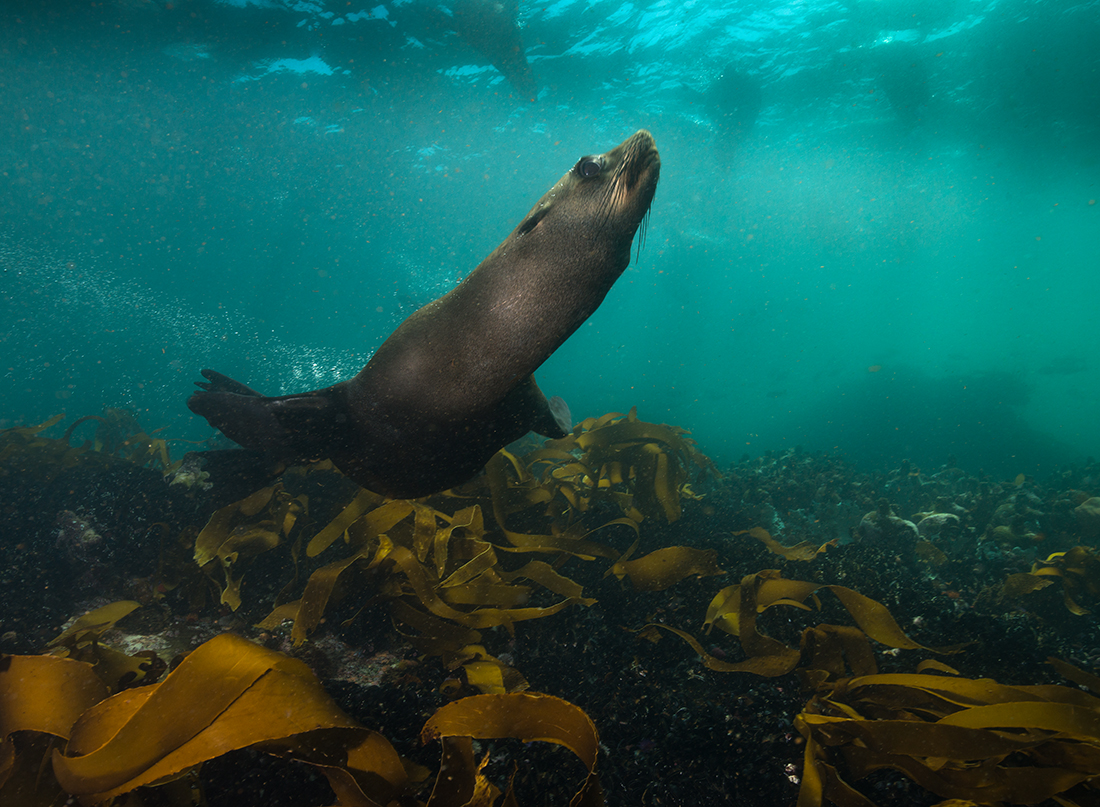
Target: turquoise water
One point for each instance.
(893, 252)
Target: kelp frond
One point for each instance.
(229, 694)
(825, 650)
(1078, 569)
(973, 741)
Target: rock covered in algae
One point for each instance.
(944, 526)
(1088, 518)
(882, 525)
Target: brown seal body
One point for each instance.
(453, 384)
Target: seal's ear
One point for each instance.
(529, 223)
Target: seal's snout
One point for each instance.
(641, 147)
(640, 161)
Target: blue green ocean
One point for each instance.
(841, 544)
(876, 231)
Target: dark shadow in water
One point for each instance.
(734, 100)
(902, 412)
(902, 71)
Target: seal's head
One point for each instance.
(599, 204)
(554, 269)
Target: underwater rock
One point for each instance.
(939, 525)
(75, 537)
(1015, 522)
(1088, 518)
(190, 473)
(882, 525)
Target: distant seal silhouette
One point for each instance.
(489, 27)
(453, 384)
(734, 99)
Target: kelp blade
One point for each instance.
(969, 740)
(46, 694)
(525, 716)
(666, 567)
(227, 694)
(95, 622)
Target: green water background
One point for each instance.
(841, 280)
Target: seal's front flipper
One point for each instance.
(562, 417)
(530, 410)
(289, 426)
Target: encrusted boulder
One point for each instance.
(882, 525)
(1088, 518)
(942, 526)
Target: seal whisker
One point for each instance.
(643, 228)
(609, 199)
(618, 188)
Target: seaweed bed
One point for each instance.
(786, 630)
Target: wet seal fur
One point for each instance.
(453, 384)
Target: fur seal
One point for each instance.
(735, 99)
(453, 384)
(490, 28)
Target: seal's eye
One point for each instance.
(589, 167)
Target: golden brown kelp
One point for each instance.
(735, 609)
(972, 740)
(642, 469)
(431, 561)
(35, 458)
(928, 552)
(803, 550)
(528, 717)
(667, 566)
(1078, 569)
(447, 566)
(230, 694)
(242, 530)
(43, 697)
(119, 434)
(82, 641)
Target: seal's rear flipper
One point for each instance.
(223, 383)
(289, 426)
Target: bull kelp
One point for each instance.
(974, 741)
(1078, 570)
(401, 638)
(228, 694)
(734, 610)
